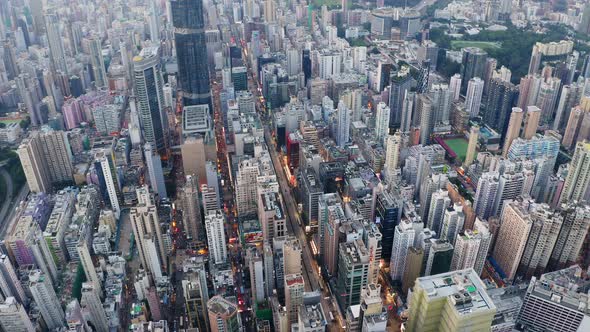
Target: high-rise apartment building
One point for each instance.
(531, 122)
(577, 181)
(42, 291)
(14, 317)
(92, 304)
(342, 124)
(107, 178)
(455, 86)
(246, 192)
(148, 234)
(413, 268)
(453, 222)
(382, 122)
(402, 241)
(214, 226)
(424, 109)
(191, 210)
(150, 98)
(97, 61)
(472, 145)
(473, 96)
(223, 315)
(10, 285)
(568, 247)
(55, 41)
(155, 172)
(294, 288)
(513, 131)
(452, 301)
(32, 160)
(191, 51)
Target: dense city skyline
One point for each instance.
(303, 165)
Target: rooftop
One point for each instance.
(220, 306)
(463, 288)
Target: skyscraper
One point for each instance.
(401, 82)
(424, 109)
(214, 226)
(92, 303)
(473, 96)
(353, 272)
(453, 222)
(55, 41)
(472, 65)
(156, 175)
(455, 86)
(98, 69)
(576, 223)
(10, 285)
(531, 122)
(46, 299)
(513, 130)
(502, 97)
(107, 178)
(472, 145)
(191, 52)
(150, 98)
(577, 181)
(32, 160)
(13, 316)
(402, 241)
(382, 122)
(342, 125)
(148, 235)
(294, 287)
(223, 315)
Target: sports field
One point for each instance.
(459, 146)
(459, 44)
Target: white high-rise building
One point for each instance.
(468, 251)
(485, 195)
(155, 172)
(439, 203)
(104, 161)
(91, 303)
(330, 64)
(88, 265)
(210, 199)
(392, 151)
(246, 187)
(214, 225)
(509, 187)
(473, 96)
(256, 274)
(55, 41)
(382, 122)
(293, 60)
(46, 299)
(403, 239)
(148, 234)
(455, 86)
(14, 317)
(342, 125)
(577, 181)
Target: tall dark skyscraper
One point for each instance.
(306, 64)
(401, 81)
(501, 98)
(472, 65)
(191, 52)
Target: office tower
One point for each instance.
(568, 247)
(472, 65)
(353, 272)
(472, 145)
(413, 268)
(13, 316)
(246, 192)
(27, 246)
(31, 157)
(239, 77)
(150, 98)
(194, 159)
(342, 125)
(452, 224)
(91, 303)
(372, 239)
(83, 251)
(501, 98)
(42, 292)
(402, 241)
(96, 60)
(455, 86)
(513, 131)
(191, 52)
(439, 202)
(214, 225)
(388, 209)
(310, 189)
(440, 256)
(531, 122)
(294, 287)
(529, 88)
(148, 234)
(104, 167)
(156, 175)
(55, 41)
(552, 302)
(381, 122)
(256, 268)
(223, 315)
(576, 183)
(10, 285)
(194, 289)
(426, 116)
(293, 60)
(460, 302)
(401, 83)
(473, 96)
(392, 152)
(512, 237)
(578, 127)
